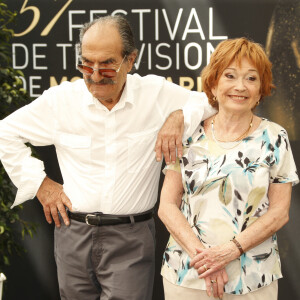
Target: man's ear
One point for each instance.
(130, 60)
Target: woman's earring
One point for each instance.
(257, 103)
(215, 99)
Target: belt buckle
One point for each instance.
(87, 219)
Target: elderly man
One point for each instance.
(104, 129)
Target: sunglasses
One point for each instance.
(105, 72)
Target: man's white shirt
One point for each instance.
(106, 158)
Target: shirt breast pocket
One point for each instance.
(77, 147)
(141, 150)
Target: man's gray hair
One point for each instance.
(123, 27)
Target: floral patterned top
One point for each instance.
(225, 191)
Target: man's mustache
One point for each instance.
(102, 81)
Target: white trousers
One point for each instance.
(176, 292)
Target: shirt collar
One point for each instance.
(128, 92)
(126, 97)
(88, 99)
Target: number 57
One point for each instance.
(36, 18)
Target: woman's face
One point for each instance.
(238, 89)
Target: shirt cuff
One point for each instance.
(33, 170)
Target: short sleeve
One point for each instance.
(174, 167)
(283, 169)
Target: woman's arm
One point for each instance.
(172, 217)
(179, 228)
(277, 216)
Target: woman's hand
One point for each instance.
(210, 260)
(215, 283)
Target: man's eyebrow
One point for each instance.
(107, 61)
(85, 59)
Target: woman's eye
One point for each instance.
(230, 76)
(252, 78)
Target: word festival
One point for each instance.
(175, 44)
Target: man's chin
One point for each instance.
(100, 89)
(100, 95)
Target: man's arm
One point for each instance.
(180, 125)
(33, 124)
(169, 138)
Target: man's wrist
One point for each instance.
(177, 113)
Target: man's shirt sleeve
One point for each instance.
(32, 124)
(195, 105)
(196, 110)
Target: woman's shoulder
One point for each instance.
(273, 128)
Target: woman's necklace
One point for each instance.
(239, 139)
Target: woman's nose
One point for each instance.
(240, 86)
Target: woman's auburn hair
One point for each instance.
(235, 50)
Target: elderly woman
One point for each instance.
(225, 199)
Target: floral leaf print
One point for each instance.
(201, 137)
(250, 169)
(263, 256)
(179, 252)
(166, 256)
(184, 160)
(254, 199)
(275, 150)
(224, 159)
(278, 142)
(238, 195)
(271, 147)
(263, 279)
(245, 262)
(210, 185)
(269, 160)
(195, 220)
(183, 271)
(199, 230)
(232, 218)
(284, 136)
(245, 224)
(188, 142)
(225, 191)
(261, 209)
(239, 162)
(248, 165)
(246, 161)
(188, 173)
(186, 207)
(192, 185)
(238, 288)
(280, 179)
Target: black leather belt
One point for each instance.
(100, 219)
